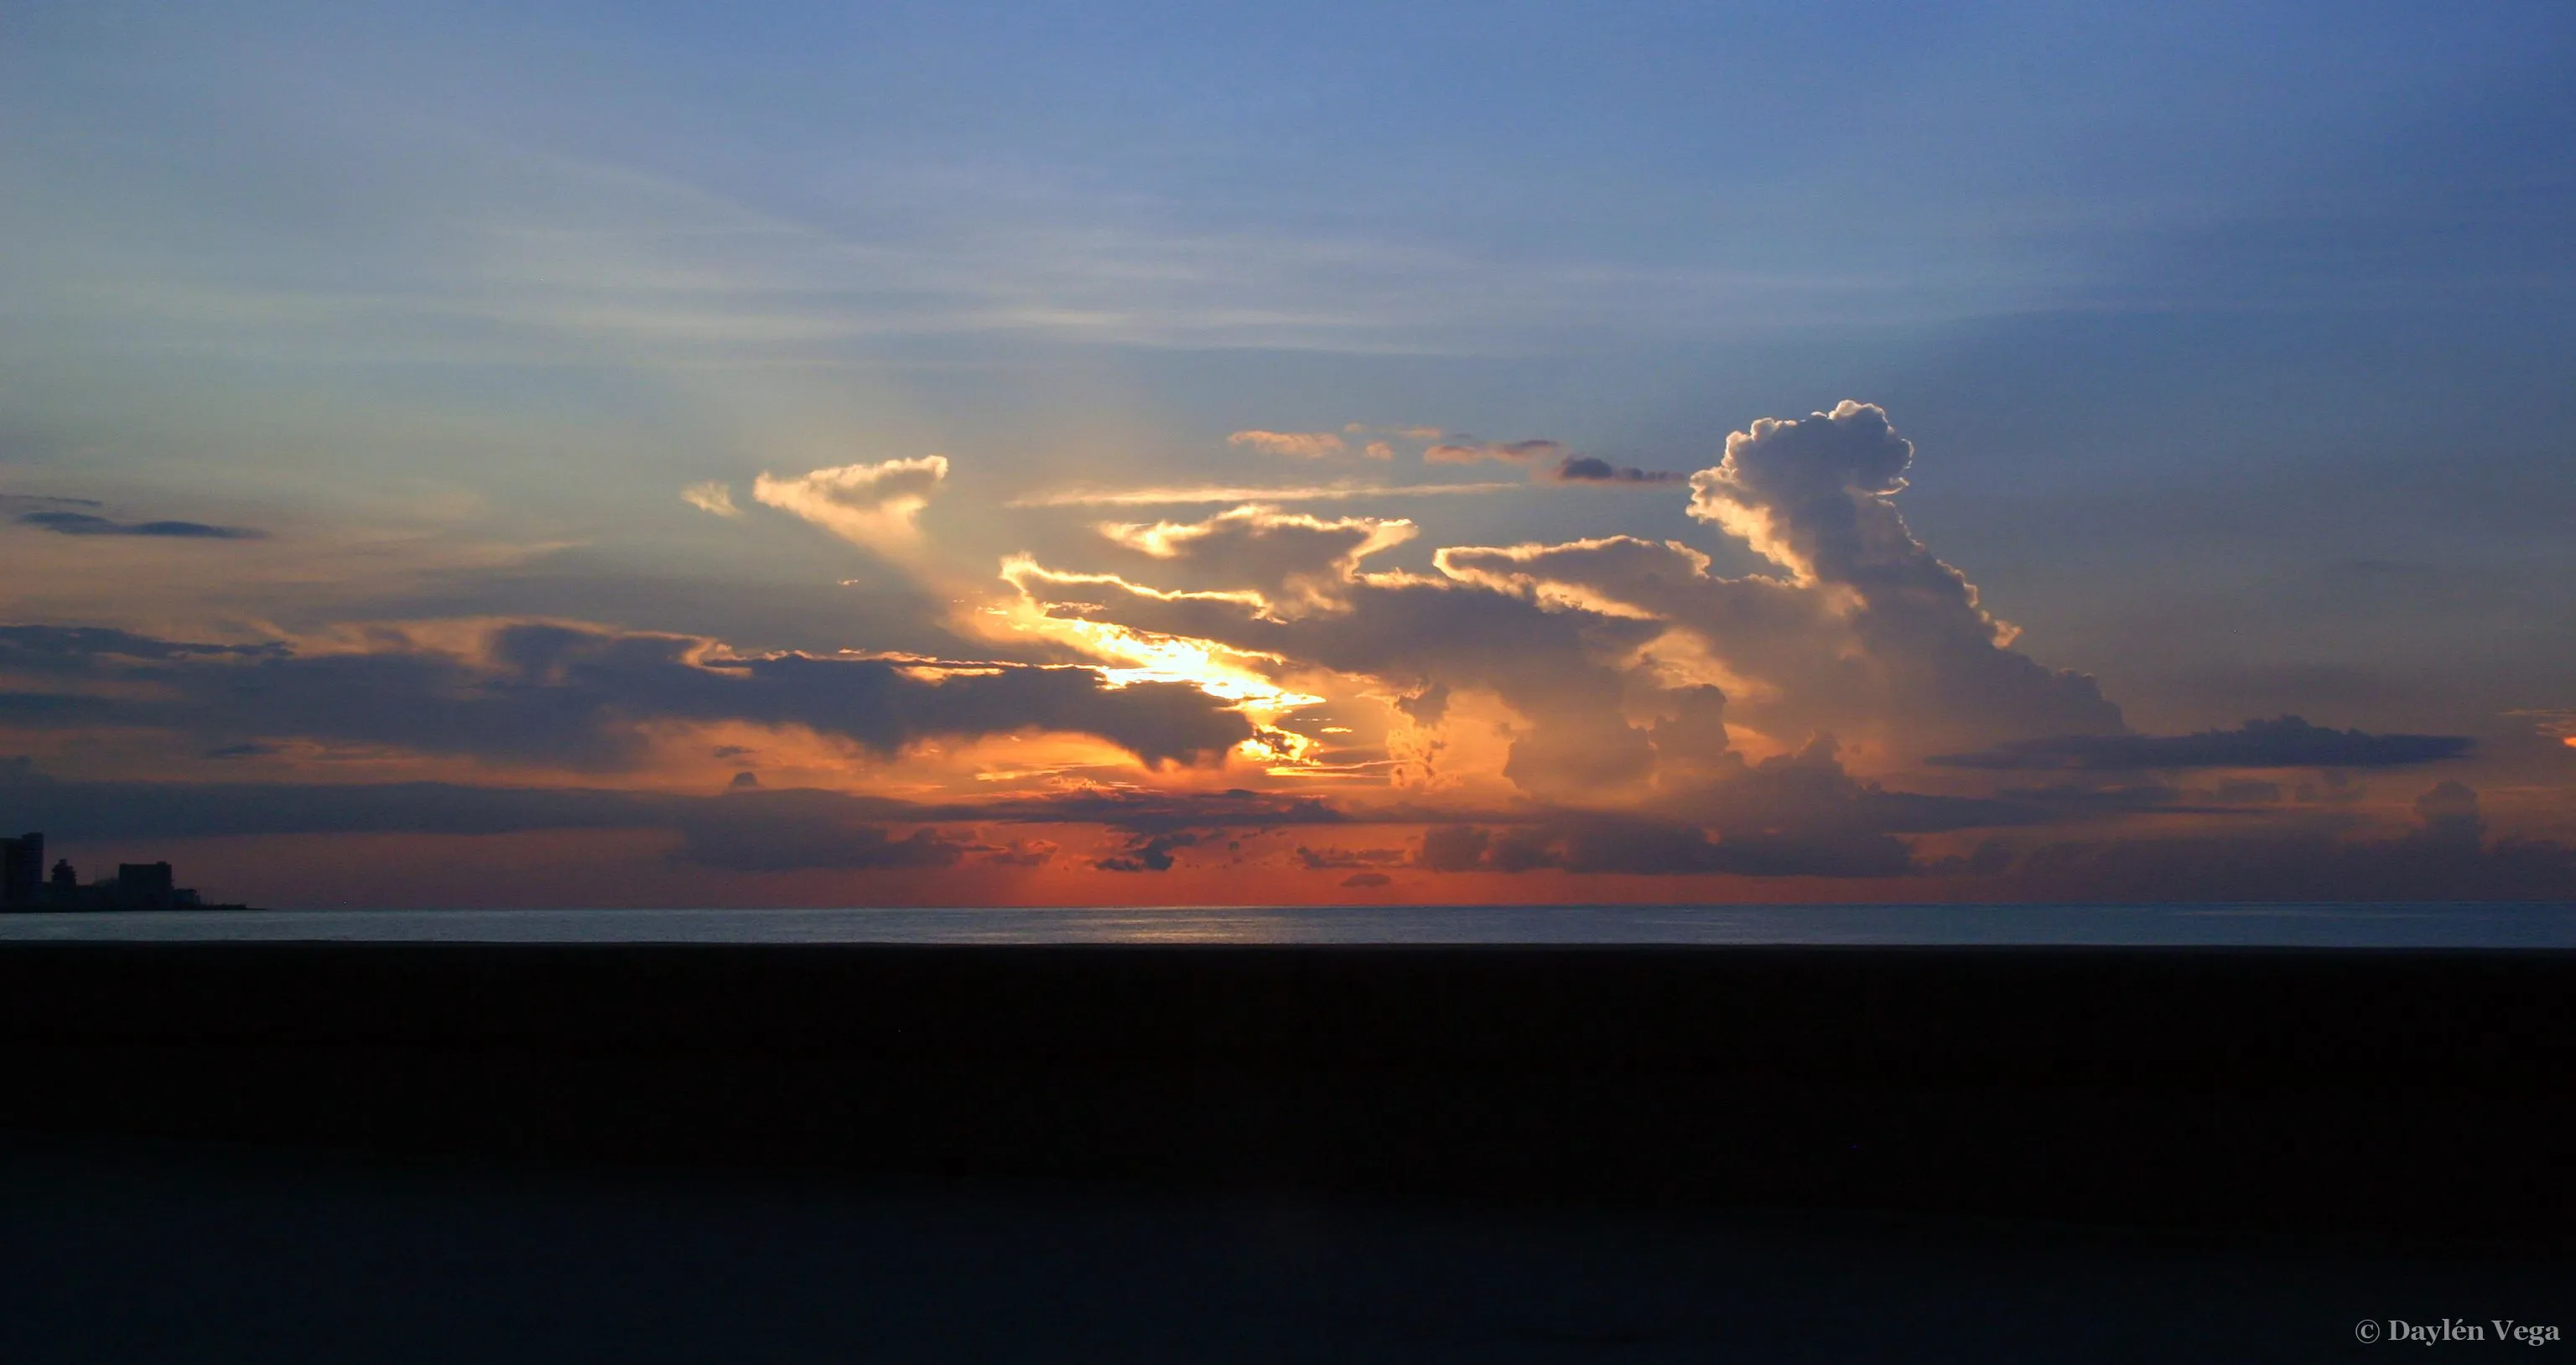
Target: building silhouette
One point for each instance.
(136, 886)
(22, 864)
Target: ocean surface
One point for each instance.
(2393, 925)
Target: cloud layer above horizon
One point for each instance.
(1845, 713)
(949, 454)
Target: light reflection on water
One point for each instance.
(2549, 925)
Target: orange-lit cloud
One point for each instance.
(1304, 445)
(1183, 495)
(1469, 450)
(871, 505)
(1216, 704)
(712, 496)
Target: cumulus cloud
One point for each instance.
(1864, 632)
(1867, 634)
(712, 496)
(2288, 742)
(871, 505)
(91, 524)
(1812, 495)
(1469, 450)
(1304, 445)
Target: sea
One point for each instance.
(2537, 925)
(136, 1251)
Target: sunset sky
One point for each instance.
(948, 454)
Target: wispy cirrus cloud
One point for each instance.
(1304, 445)
(1469, 450)
(91, 524)
(1201, 494)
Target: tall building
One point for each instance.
(22, 870)
(144, 886)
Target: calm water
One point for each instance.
(2409, 925)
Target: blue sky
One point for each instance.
(2233, 339)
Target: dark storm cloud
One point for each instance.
(1022, 853)
(2446, 857)
(84, 649)
(579, 696)
(1594, 469)
(195, 810)
(745, 829)
(1160, 822)
(750, 830)
(2288, 742)
(1151, 812)
(1643, 846)
(1454, 848)
(1809, 794)
(1320, 859)
(1430, 706)
(120, 809)
(90, 524)
(1794, 814)
(1148, 853)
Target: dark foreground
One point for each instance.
(2313, 1136)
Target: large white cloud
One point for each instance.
(1867, 634)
